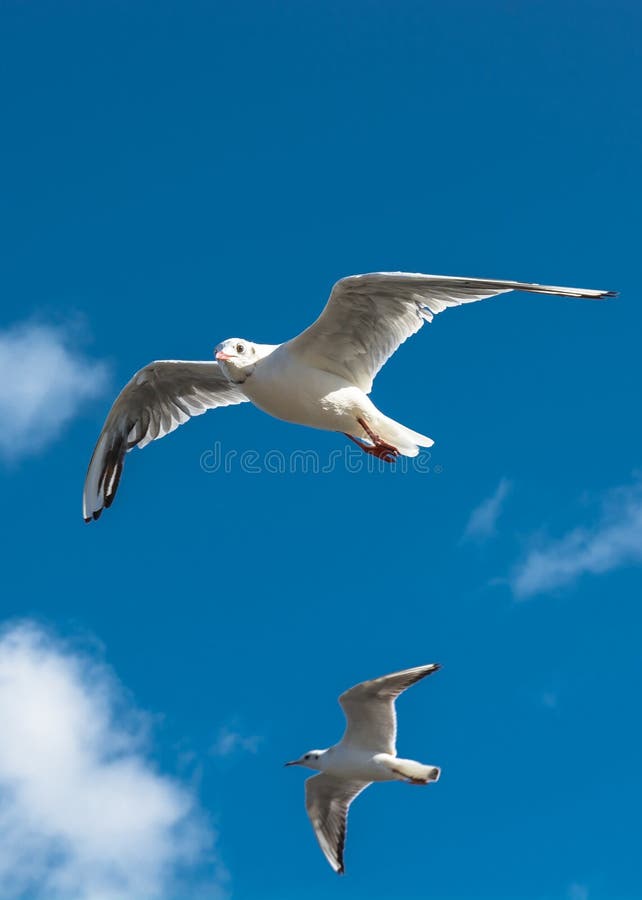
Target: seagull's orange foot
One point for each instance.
(379, 448)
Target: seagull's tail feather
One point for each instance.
(408, 769)
(404, 439)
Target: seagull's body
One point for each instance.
(366, 753)
(321, 378)
(319, 399)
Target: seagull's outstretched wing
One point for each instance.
(369, 316)
(158, 399)
(369, 709)
(327, 800)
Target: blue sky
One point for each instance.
(174, 174)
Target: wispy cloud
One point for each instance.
(84, 813)
(577, 892)
(614, 540)
(482, 523)
(44, 381)
(230, 741)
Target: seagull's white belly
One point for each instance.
(361, 765)
(289, 390)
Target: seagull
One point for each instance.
(321, 378)
(365, 753)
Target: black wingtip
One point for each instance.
(596, 295)
(113, 472)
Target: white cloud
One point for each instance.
(482, 523)
(229, 741)
(84, 814)
(44, 380)
(614, 540)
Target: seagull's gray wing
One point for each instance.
(369, 709)
(158, 399)
(327, 800)
(369, 316)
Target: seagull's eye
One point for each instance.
(307, 756)
(240, 348)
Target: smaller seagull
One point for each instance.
(365, 753)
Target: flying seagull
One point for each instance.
(320, 378)
(365, 753)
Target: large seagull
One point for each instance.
(320, 378)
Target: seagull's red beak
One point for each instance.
(221, 355)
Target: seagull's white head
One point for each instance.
(237, 357)
(313, 759)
